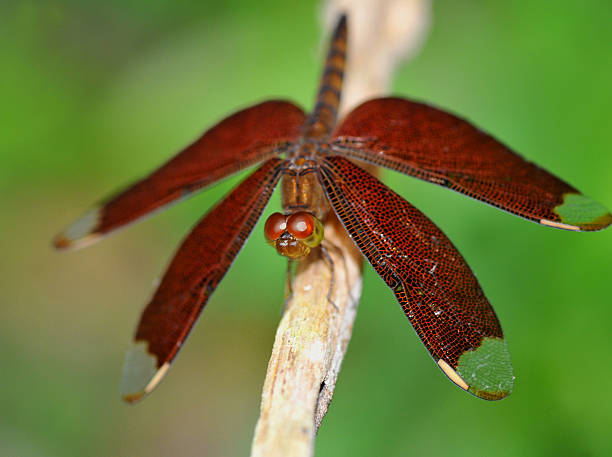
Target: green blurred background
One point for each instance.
(97, 93)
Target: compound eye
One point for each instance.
(301, 225)
(275, 226)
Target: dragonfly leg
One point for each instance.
(288, 286)
(332, 280)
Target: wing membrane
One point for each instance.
(239, 141)
(194, 273)
(432, 282)
(430, 144)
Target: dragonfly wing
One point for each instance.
(239, 141)
(431, 144)
(432, 282)
(194, 273)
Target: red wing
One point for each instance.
(239, 141)
(436, 146)
(194, 273)
(432, 282)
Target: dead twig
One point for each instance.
(313, 334)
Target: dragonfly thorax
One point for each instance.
(293, 235)
(301, 189)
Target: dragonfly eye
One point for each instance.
(301, 225)
(275, 226)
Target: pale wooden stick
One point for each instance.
(310, 342)
(313, 334)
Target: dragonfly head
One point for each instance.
(293, 235)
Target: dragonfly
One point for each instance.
(315, 159)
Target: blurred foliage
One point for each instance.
(96, 93)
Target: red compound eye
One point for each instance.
(301, 225)
(275, 226)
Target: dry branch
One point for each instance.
(313, 334)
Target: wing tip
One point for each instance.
(132, 398)
(61, 242)
(490, 395)
(579, 212)
(82, 232)
(601, 223)
(485, 372)
(140, 373)
(452, 374)
(560, 225)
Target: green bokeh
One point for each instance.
(96, 93)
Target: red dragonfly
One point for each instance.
(431, 281)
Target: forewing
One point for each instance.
(432, 282)
(194, 273)
(436, 146)
(239, 141)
